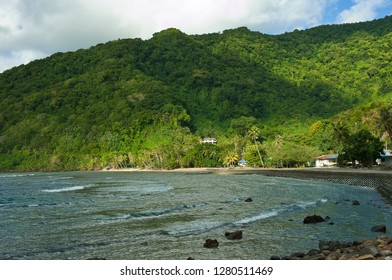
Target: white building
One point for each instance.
(209, 141)
(327, 160)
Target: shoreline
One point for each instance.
(378, 179)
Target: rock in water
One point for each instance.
(356, 202)
(211, 243)
(313, 219)
(379, 228)
(249, 199)
(236, 235)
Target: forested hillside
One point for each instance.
(280, 99)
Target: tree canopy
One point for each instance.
(148, 103)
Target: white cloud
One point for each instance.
(19, 57)
(362, 10)
(32, 29)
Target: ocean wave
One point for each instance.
(258, 217)
(14, 175)
(286, 209)
(143, 215)
(153, 213)
(68, 189)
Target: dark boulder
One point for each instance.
(379, 228)
(211, 243)
(235, 235)
(359, 242)
(372, 250)
(313, 219)
(313, 252)
(249, 199)
(329, 245)
(356, 202)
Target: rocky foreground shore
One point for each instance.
(378, 249)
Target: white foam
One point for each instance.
(15, 175)
(68, 189)
(258, 217)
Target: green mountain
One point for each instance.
(148, 103)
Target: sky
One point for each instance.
(34, 29)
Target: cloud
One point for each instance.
(34, 29)
(362, 10)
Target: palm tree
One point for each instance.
(254, 133)
(278, 143)
(340, 133)
(231, 159)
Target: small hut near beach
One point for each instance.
(327, 160)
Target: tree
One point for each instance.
(254, 133)
(340, 134)
(242, 125)
(231, 159)
(384, 122)
(363, 147)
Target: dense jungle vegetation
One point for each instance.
(270, 99)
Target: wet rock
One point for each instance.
(313, 252)
(359, 242)
(355, 202)
(344, 245)
(313, 219)
(314, 257)
(236, 235)
(331, 257)
(366, 257)
(379, 228)
(366, 249)
(211, 243)
(386, 253)
(346, 256)
(296, 256)
(249, 199)
(96, 259)
(329, 245)
(371, 250)
(191, 258)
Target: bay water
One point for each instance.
(169, 215)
